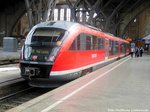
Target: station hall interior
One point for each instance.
(111, 83)
(124, 19)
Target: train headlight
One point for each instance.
(27, 52)
(21, 53)
(51, 58)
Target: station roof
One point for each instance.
(109, 4)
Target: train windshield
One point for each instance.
(43, 44)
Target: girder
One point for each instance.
(108, 15)
(104, 14)
(39, 10)
(50, 10)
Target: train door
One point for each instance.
(107, 48)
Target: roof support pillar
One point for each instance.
(39, 10)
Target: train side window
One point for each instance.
(80, 43)
(89, 45)
(100, 43)
(87, 42)
(76, 44)
(122, 47)
(73, 45)
(83, 42)
(116, 47)
(113, 47)
(95, 42)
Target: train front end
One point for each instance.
(39, 53)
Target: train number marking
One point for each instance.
(94, 55)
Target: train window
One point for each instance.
(116, 47)
(95, 42)
(43, 44)
(127, 47)
(100, 43)
(83, 43)
(113, 50)
(122, 47)
(89, 43)
(111, 47)
(79, 43)
(47, 36)
(76, 44)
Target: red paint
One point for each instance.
(68, 60)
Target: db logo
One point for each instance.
(34, 57)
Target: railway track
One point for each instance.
(20, 97)
(14, 92)
(7, 62)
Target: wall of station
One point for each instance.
(139, 27)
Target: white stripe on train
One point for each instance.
(56, 73)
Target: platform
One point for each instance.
(9, 72)
(5, 57)
(122, 86)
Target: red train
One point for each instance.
(59, 51)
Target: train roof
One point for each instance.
(63, 25)
(66, 25)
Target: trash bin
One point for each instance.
(10, 44)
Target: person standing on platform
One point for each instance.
(141, 51)
(132, 52)
(137, 52)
